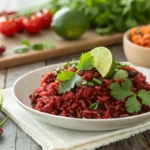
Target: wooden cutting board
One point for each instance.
(62, 47)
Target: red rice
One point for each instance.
(76, 103)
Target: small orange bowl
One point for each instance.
(136, 54)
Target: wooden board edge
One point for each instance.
(82, 46)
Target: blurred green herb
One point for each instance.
(37, 46)
(94, 106)
(106, 16)
(21, 49)
(110, 16)
(46, 44)
(25, 42)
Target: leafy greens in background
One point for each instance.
(109, 16)
(106, 16)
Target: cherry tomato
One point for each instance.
(32, 25)
(46, 18)
(19, 22)
(8, 27)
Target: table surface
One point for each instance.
(14, 138)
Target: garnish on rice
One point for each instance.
(94, 87)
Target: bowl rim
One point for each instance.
(69, 118)
(126, 37)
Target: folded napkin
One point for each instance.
(55, 138)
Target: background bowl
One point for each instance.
(26, 84)
(136, 54)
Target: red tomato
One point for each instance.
(32, 25)
(19, 22)
(46, 18)
(8, 27)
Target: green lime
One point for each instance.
(70, 23)
(104, 61)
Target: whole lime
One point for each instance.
(70, 23)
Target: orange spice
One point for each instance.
(141, 36)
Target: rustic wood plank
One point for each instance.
(62, 47)
(62, 59)
(14, 138)
(2, 78)
(147, 136)
(137, 142)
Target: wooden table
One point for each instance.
(14, 138)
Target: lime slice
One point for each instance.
(104, 61)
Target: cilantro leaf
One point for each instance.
(133, 105)
(145, 97)
(65, 75)
(67, 85)
(86, 62)
(48, 44)
(94, 106)
(122, 91)
(26, 42)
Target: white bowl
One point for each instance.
(26, 84)
(136, 54)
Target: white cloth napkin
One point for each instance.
(54, 138)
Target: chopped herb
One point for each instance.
(94, 106)
(26, 42)
(125, 65)
(138, 32)
(66, 65)
(4, 121)
(86, 83)
(120, 74)
(118, 66)
(58, 70)
(97, 81)
(74, 66)
(48, 44)
(37, 46)
(21, 49)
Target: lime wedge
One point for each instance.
(104, 61)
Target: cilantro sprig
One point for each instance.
(69, 79)
(123, 91)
